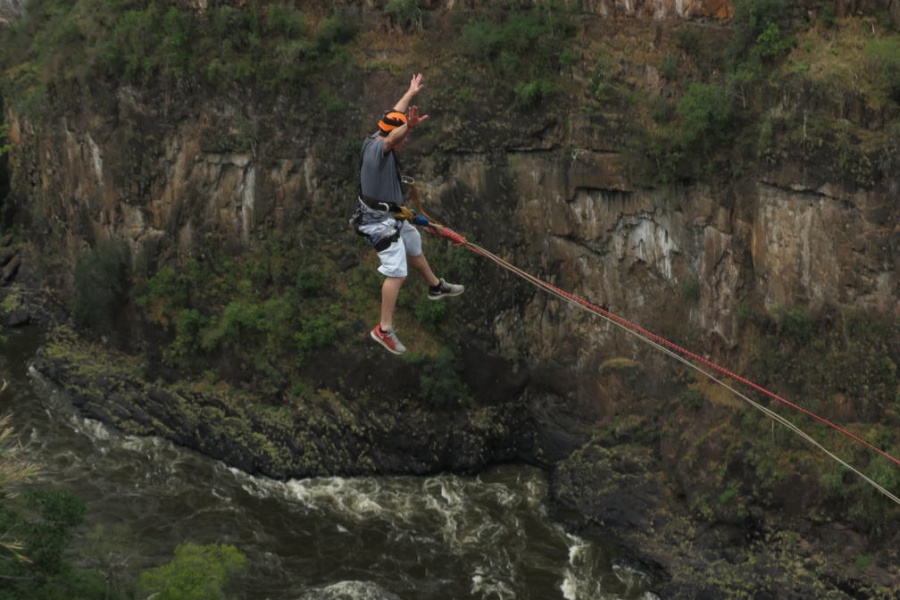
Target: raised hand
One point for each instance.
(413, 117)
(416, 84)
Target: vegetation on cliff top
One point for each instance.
(712, 111)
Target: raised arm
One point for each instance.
(415, 86)
(413, 118)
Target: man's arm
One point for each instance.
(398, 134)
(415, 86)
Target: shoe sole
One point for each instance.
(386, 347)
(442, 296)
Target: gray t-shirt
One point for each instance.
(378, 177)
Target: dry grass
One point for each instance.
(838, 57)
(717, 394)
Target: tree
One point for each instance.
(35, 529)
(196, 573)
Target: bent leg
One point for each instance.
(420, 264)
(412, 242)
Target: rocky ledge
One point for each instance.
(316, 435)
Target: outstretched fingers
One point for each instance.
(416, 83)
(413, 116)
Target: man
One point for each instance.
(398, 243)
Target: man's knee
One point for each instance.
(394, 282)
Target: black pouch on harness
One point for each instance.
(385, 243)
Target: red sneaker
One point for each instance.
(388, 339)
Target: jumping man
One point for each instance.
(397, 242)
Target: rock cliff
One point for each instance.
(779, 250)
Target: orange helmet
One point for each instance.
(390, 120)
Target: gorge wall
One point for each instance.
(710, 260)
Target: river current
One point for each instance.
(444, 537)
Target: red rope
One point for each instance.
(461, 241)
(451, 235)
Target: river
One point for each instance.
(390, 538)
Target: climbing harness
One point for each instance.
(680, 354)
(398, 211)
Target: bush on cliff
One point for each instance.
(155, 43)
(101, 286)
(525, 48)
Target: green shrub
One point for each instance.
(524, 48)
(430, 314)
(728, 495)
(758, 22)
(312, 279)
(334, 31)
(568, 57)
(690, 136)
(406, 13)
(44, 523)
(862, 561)
(480, 38)
(688, 40)
(315, 332)
(706, 116)
(101, 283)
(186, 348)
(793, 322)
(828, 14)
(257, 317)
(771, 44)
(195, 573)
(602, 76)
(668, 66)
(884, 54)
(692, 399)
(662, 110)
(285, 21)
(690, 289)
(439, 381)
(533, 93)
(154, 41)
(5, 146)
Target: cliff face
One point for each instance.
(128, 169)
(805, 224)
(779, 241)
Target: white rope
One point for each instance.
(764, 409)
